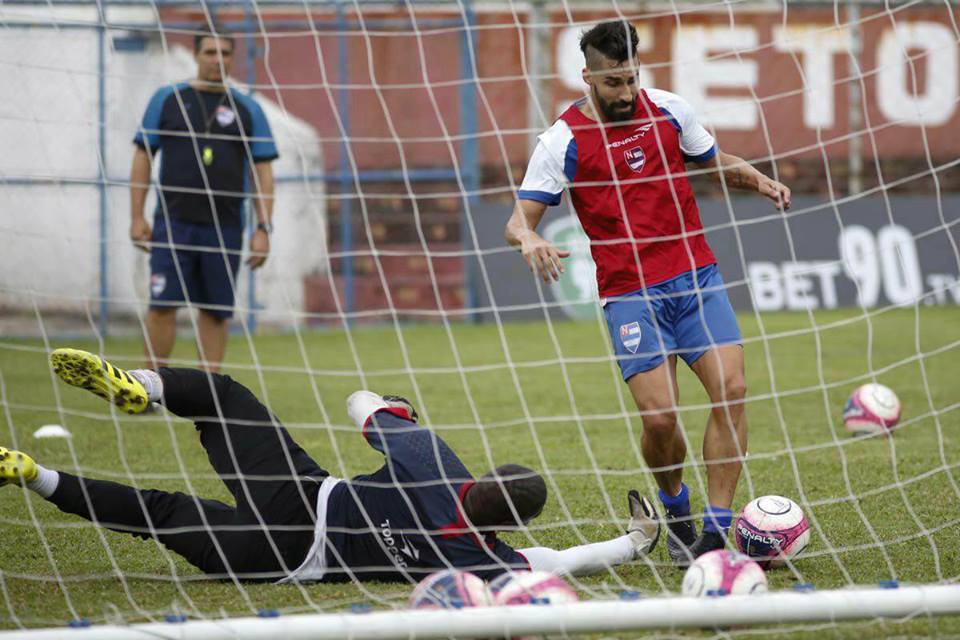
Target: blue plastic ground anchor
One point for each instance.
(79, 624)
(630, 595)
(360, 608)
(268, 613)
(172, 618)
(804, 586)
(889, 584)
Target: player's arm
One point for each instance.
(552, 166)
(263, 202)
(139, 185)
(737, 173)
(640, 539)
(543, 258)
(146, 142)
(414, 452)
(263, 148)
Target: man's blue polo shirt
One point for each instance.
(208, 142)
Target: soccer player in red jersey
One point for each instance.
(622, 152)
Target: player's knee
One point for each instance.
(162, 314)
(734, 388)
(660, 426)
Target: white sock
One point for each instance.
(151, 381)
(45, 483)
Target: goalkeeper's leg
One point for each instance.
(202, 531)
(274, 481)
(188, 525)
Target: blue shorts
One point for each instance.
(207, 270)
(670, 312)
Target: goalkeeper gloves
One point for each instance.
(644, 527)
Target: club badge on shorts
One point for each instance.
(635, 158)
(158, 282)
(630, 336)
(225, 116)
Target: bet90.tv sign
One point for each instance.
(869, 252)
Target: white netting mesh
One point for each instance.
(404, 130)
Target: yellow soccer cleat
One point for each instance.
(16, 467)
(113, 384)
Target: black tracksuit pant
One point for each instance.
(273, 481)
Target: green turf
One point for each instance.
(549, 398)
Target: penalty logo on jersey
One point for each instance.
(635, 158)
(630, 336)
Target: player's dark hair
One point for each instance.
(198, 40)
(616, 39)
(488, 503)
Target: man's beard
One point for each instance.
(615, 111)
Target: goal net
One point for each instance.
(403, 131)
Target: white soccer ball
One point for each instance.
(772, 530)
(723, 573)
(872, 409)
(450, 589)
(531, 587)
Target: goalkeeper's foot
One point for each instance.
(16, 467)
(113, 384)
(681, 534)
(363, 404)
(644, 527)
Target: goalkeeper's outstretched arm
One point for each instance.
(640, 539)
(737, 173)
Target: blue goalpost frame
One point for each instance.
(469, 160)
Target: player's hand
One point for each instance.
(259, 249)
(543, 258)
(644, 527)
(140, 233)
(776, 191)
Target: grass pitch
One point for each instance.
(548, 396)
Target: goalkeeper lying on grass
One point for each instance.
(420, 512)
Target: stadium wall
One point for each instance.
(769, 83)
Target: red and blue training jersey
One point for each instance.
(628, 186)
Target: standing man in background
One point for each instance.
(210, 136)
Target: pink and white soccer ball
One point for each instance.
(723, 573)
(872, 409)
(450, 589)
(772, 530)
(531, 587)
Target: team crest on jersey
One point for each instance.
(635, 158)
(158, 282)
(225, 115)
(630, 336)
